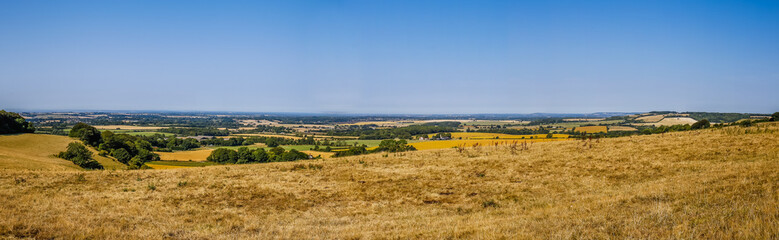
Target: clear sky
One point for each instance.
(390, 56)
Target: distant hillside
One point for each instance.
(36, 152)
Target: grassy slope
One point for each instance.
(708, 184)
(35, 152)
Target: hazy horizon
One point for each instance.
(393, 57)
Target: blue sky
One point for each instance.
(390, 56)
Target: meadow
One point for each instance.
(37, 152)
(706, 184)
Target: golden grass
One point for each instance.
(592, 129)
(36, 152)
(317, 153)
(428, 145)
(708, 184)
(191, 155)
(159, 166)
(483, 135)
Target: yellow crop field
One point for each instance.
(192, 155)
(592, 129)
(482, 135)
(427, 145)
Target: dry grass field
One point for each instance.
(651, 118)
(191, 155)
(707, 184)
(428, 145)
(318, 153)
(592, 129)
(36, 152)
(483, 135)
(668, 121)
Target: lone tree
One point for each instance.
(11, 122)
(701, 124)
(89, 134)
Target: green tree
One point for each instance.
(90, 135)
(80, 155)
(121, 155)
(293, 155)
(223, 155)
(11, 122)
(244, 155)
(277, 151)
(701, 124)
(395, 146)
(143, 156)
(260, 155)
(272, 142)
(775, 116)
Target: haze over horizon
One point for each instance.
(400, 57)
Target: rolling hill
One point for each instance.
(706, 184)
(36, 152)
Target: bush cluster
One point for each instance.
(80, 155)
(246, 155)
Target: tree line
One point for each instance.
(371, 132)
(245, 155)
(11, 122)
(388, 145)
(127, 149)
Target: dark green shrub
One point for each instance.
(80, 155)
(14, 123)
(701, 124)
